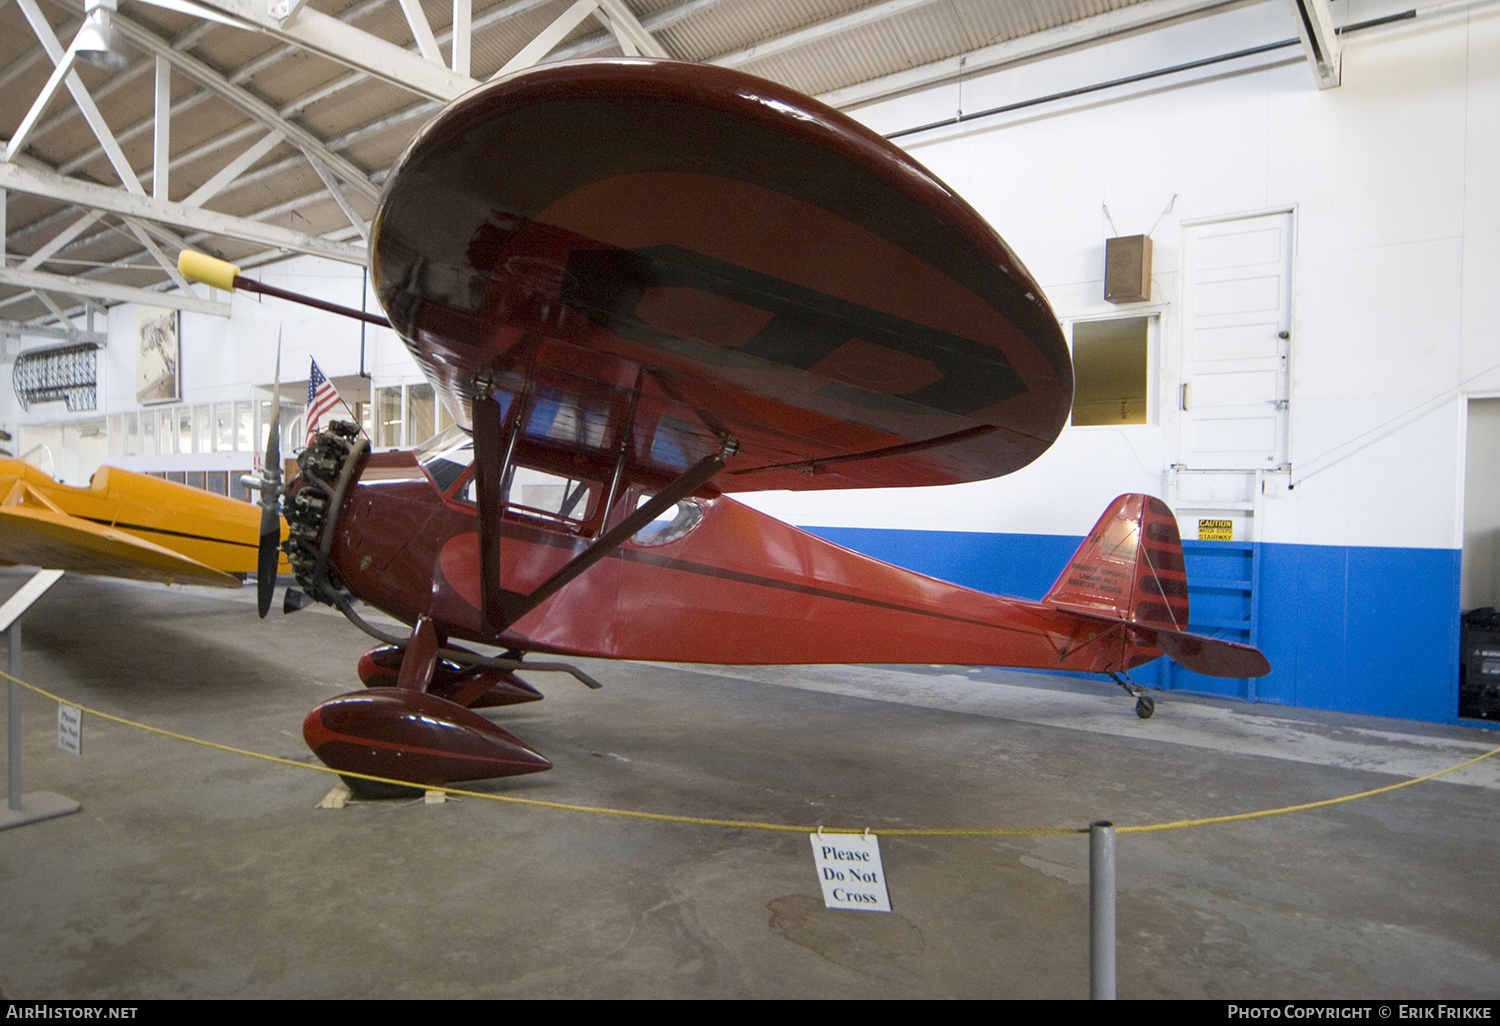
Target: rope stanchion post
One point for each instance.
(1102, 911)
(39, 805)
(13, 716)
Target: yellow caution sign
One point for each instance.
(1216, 530)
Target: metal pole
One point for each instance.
(37, 805)
(13, 716)
(1102, 911)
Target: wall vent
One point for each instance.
(1127, 269)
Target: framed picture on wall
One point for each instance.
(156, 353)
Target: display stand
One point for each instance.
(37, 805)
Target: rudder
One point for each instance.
(1130, 567)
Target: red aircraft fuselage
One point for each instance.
(736, 587)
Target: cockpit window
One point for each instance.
(446, 456)
(448, 459)
(538, 493)
(672, 524)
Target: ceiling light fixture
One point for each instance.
(98, 42)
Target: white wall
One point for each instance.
(1394, 180)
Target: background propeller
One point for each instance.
(269, 553)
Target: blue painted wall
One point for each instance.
(1346, 628)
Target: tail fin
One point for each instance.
(1129, 568)
(1130, 571)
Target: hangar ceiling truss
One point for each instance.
(255, 129)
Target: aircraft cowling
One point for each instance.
(416, 737)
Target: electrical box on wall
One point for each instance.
(1127, 269)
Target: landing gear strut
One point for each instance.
(1144, 706)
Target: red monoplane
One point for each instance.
(642, 285)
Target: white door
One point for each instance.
(1237, 278)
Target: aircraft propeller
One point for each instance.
(269, 553)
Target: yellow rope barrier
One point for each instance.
(663, 817)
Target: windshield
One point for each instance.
(446, 455)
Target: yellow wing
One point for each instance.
(126, 525)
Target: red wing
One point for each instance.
(763, 265)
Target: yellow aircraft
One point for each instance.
(127, 525)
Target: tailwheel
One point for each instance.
(1144, 706)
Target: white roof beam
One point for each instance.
(81, 287)
(100, 197)
(39, 105)
(818, 32)
(60, 240)
(251, 105)
(463, 36)
(249, 70)
(125, 135)
(421, 31)
(493, 16)
(236, 167)
(283, 10)
(161, 130)
(51, 304)
(634, 39)
(651, 23)
(184, 41)
(170, 267)
(547, 39)
(165, 235)
(1023, 48)
(352, 47)
(43, 30)
(110, 86)
(341, 198)
(133, 262)
(17, 329)
(1320, 42)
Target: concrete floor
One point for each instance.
(194, 873)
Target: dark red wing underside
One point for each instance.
(722, 255)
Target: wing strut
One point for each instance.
(516, 606)
(492, 453)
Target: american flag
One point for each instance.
(322, 397)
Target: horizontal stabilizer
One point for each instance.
(1213, 657)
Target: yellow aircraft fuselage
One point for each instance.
(126, 525)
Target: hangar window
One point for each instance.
(403, 415)
(1111, 369)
